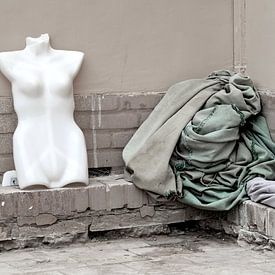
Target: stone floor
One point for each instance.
(181, 253)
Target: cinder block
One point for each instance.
(6, 105)
(120, 139)
(103, 139)
(105, 158)
(8, 123)
(6, 143)
(97, 196)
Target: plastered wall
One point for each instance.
(129, 45)
(260, 42)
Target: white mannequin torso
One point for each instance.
(49, 148)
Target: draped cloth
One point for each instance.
(202, 143)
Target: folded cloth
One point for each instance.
(262, 191)
(202, 143)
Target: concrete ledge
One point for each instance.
(31, 218)
(252, 223)
(35, 217)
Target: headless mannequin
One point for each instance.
(49, 148)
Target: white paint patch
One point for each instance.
(3, 203)
(94, 132)
(99, 110)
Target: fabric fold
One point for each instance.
(202, 143)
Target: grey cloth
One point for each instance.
(261, 191)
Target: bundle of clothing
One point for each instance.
(206, 144)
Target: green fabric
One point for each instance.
(202, 143)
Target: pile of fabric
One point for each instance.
(205, 144)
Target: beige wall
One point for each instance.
(130, 45)
(260, 42)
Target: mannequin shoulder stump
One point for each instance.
(76, 59)
(7, 63)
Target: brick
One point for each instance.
(115, 193)
(6, 105)
(97, 196)
(8, 202)
(6, 143)
(120, 139)
(45, 219)
(8, 123)
(122, 120)
(96, 102)
(103, 139)
(143, 116)
(106, 158)
(81, 199)
(62, 201)
(139, 100)
(135, 197)
(6, 163)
